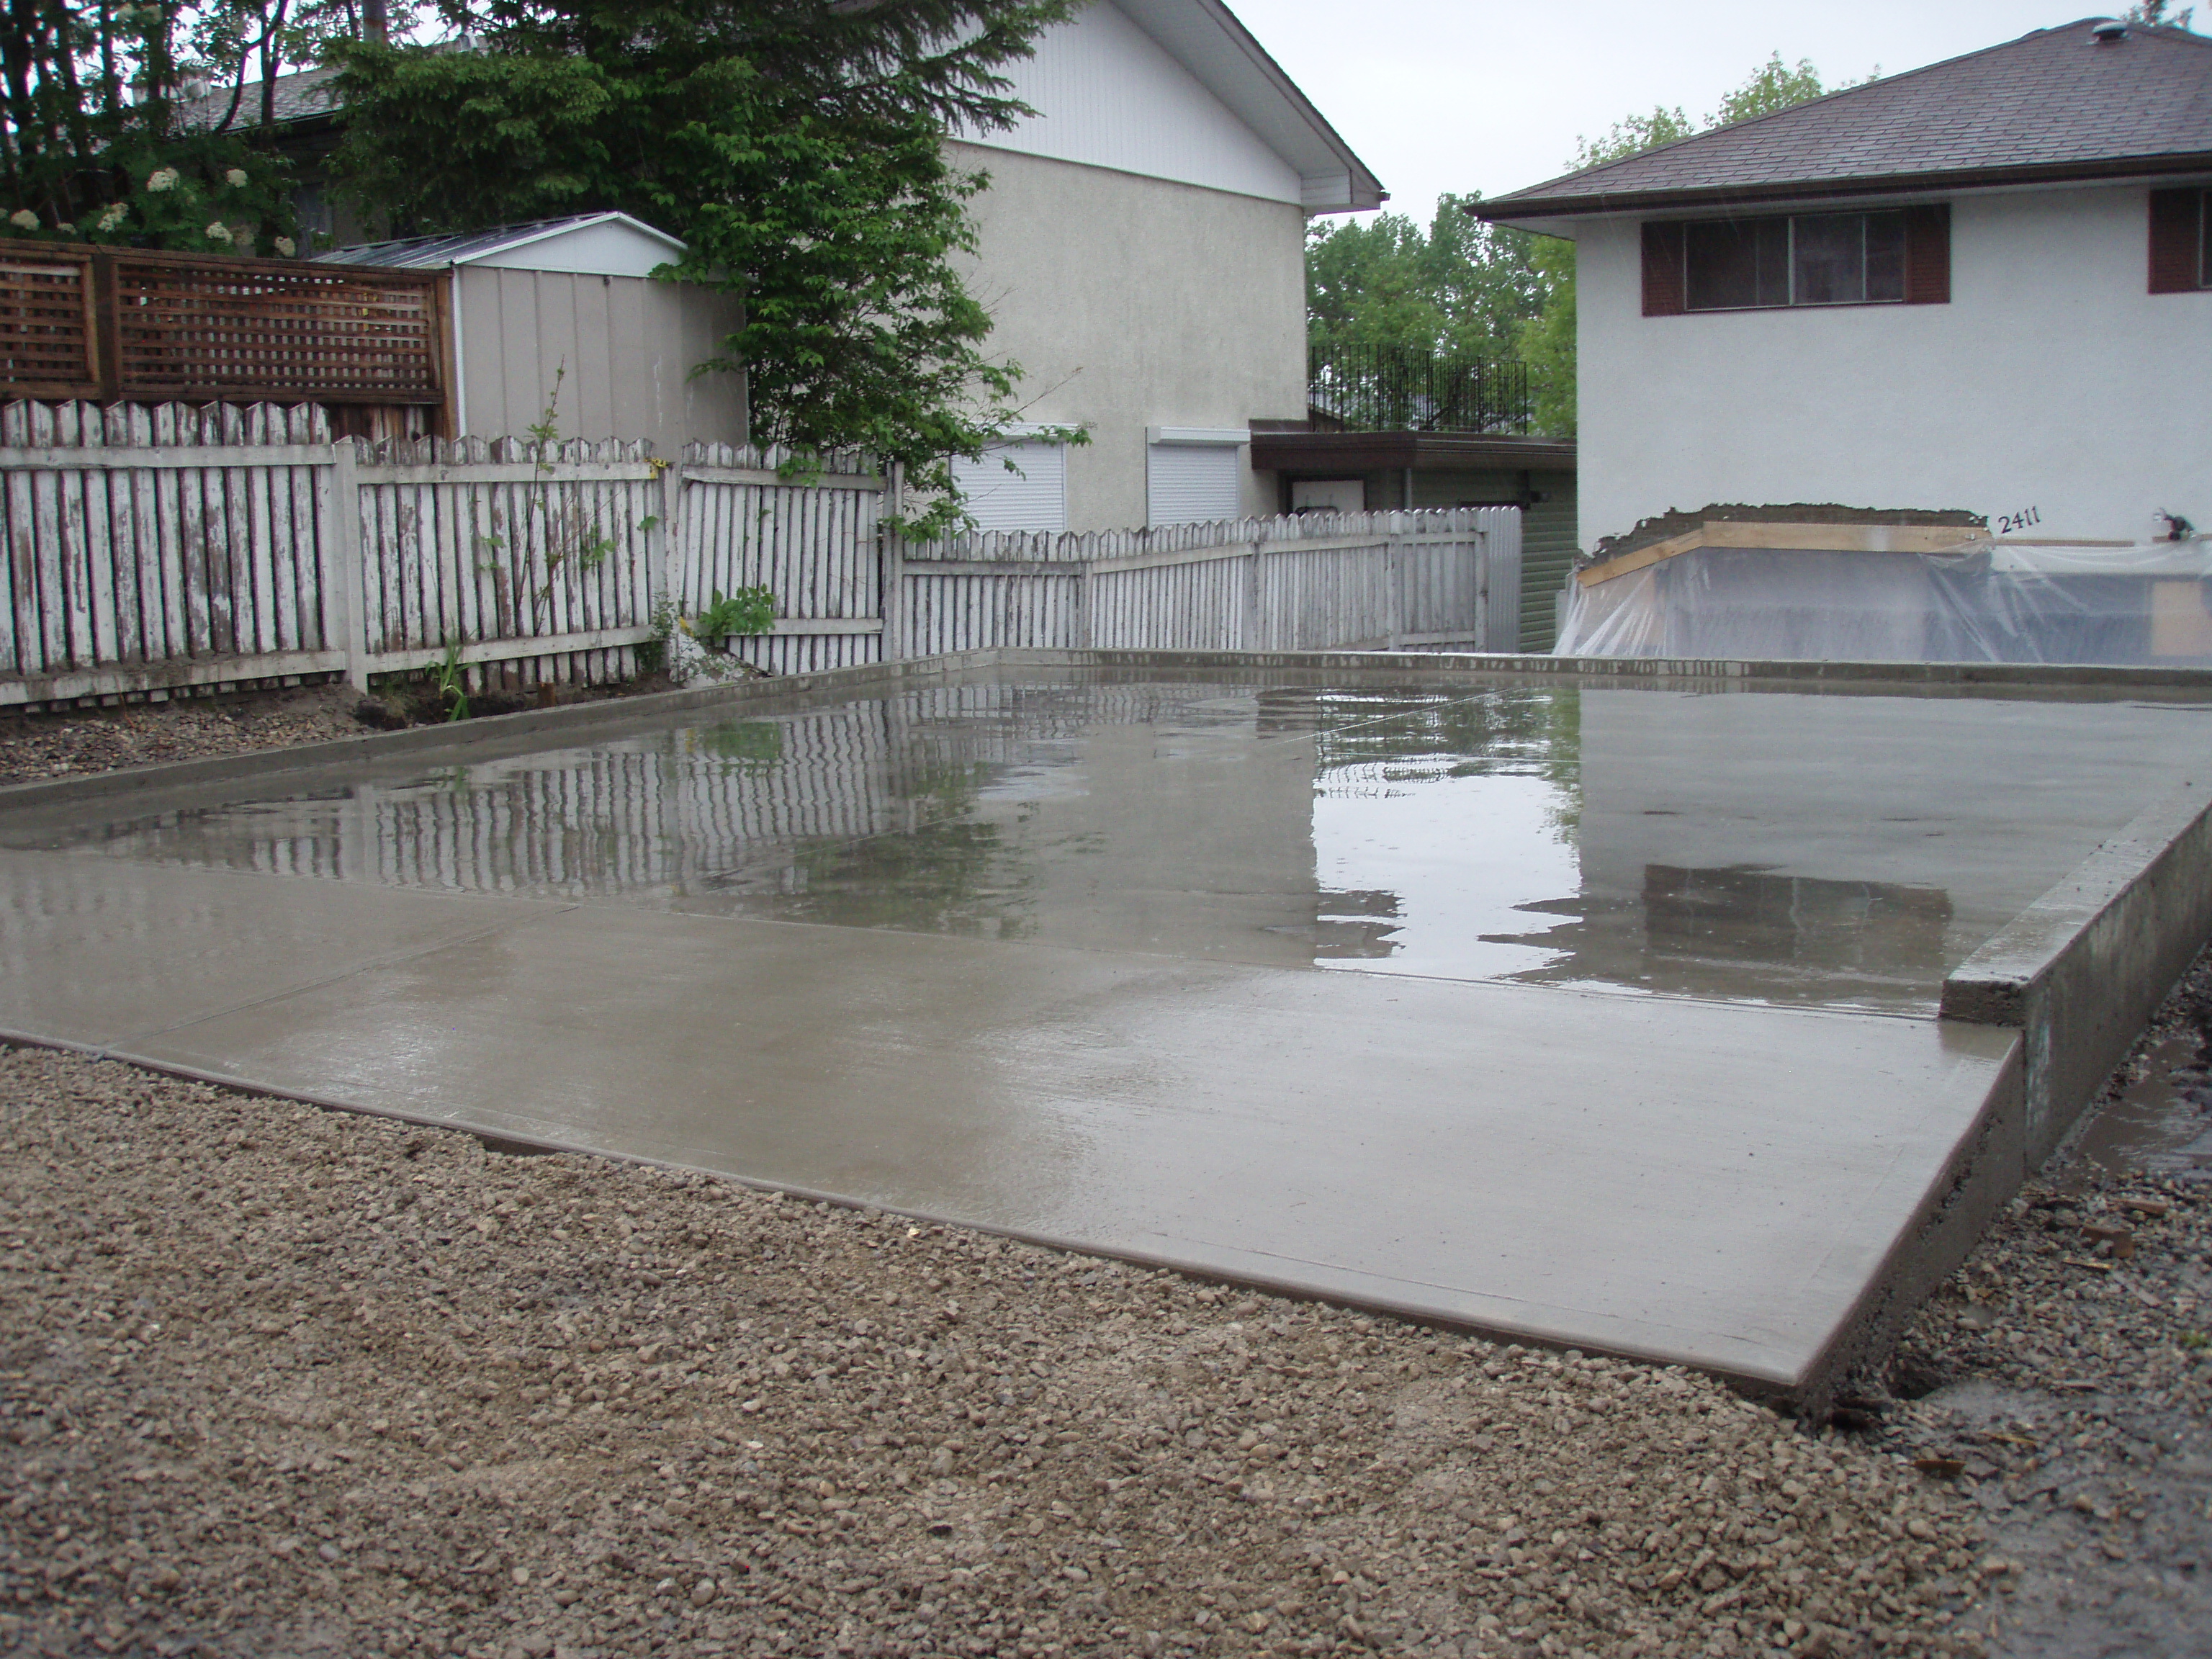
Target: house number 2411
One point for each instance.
(2009, 522)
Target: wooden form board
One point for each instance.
(1812, 538)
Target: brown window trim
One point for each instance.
(1927, 266)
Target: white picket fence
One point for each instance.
(1311, 582)
(154, 548)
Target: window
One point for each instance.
(1808, 260)
(2180, 241)
(1895, 256)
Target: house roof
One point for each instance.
(2057, 105)
(1207, 37)
(303, 96)
(596, 244)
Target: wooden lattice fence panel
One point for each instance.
(46, 323)
(190, 327)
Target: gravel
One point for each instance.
(283, 1379)
(67, 742)
(2066, 1374)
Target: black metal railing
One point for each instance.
(1396, 389)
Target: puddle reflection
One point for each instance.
(1837, 850)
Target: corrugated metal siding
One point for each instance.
(1113, 97)
(1547, 554)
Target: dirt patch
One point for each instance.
(279, 1380)
(66, 742)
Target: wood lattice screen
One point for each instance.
(46, 323)
(84, 323)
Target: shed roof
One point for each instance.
(595, 244)
(2054, 106)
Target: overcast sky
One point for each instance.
(1481, 94)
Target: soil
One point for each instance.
(65, 742)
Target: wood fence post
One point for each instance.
(1481, 545)
(345, 604)
(664, 574)
(1393, 594)
(890, 603)
(1254, 591)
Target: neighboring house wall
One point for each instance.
(628, 345)
(1133, 302)
(2052, 381)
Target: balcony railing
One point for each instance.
(1393, 389)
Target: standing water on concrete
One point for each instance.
(1842, 850)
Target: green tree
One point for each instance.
(1546, 342)
(1462, 288)
(129, 124)
(2155, 13)
(795, 146)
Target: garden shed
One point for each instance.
(575, 301)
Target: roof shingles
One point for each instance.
(2053, 100)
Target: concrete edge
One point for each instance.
(2081, 969)
(1963, 1197)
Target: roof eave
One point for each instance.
(1344, 180)
(1517, 211)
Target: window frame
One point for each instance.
(1926, 251)
(1789, 272)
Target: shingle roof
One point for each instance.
(300, 97)
(2055, 104)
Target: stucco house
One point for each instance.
(1142, 252)
(1982, 288)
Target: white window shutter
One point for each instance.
(1187, 483)
(1033, 498)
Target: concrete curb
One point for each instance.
(2081, 969)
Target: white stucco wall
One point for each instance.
(2051, 380)
(1131, 303)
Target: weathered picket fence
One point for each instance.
(1304, 583)
(150, 549)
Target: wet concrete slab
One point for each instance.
(1688, 1182)
(93, 952)
(1596, 1014)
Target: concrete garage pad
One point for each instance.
(1688, 1182)
(94, 951)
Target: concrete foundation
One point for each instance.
(1110, 1033)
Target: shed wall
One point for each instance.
(628, 345)
(1131, 302)
(2053, 380)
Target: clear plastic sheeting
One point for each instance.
(1986, 602)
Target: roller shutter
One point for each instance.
(1033, 497)
(1187, 483)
